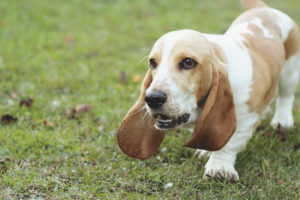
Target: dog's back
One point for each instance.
(273, 23)
(248, 4)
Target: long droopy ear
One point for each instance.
(217, 121)
(137, 136)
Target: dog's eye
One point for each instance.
(153, 63)
(187, 63)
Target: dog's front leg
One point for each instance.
(221, 163)
(220, 166)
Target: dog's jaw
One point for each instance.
(164, 121)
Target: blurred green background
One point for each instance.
(81, 62)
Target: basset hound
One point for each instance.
(219, 85)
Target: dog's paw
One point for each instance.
(221, 171)
(199, 153)
(284, 120)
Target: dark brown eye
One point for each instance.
(153, 63)
(187, 63)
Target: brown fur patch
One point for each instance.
(267, 55)
(269, 21)
(264, 86)
(267, 58)
(292, 43)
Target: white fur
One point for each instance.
(287, 86)
(200, 153)
(284, 22)
(258, 22)
(236, 30)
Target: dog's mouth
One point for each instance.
(166, 122)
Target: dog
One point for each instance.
(218, 85)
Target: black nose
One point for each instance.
(155, 99)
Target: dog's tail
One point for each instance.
(249, 4)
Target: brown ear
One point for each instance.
(137, 136)
(217, 121)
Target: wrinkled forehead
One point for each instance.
(189, 42)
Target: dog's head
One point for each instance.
(181, 67)
(185, 86)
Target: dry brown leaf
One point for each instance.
(27, 102)
(281, 132)
(68, 39)
(78, 111)
(7, 119)
(82, 109)
(137, 78)
(48, 123)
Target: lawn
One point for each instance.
(81, 62)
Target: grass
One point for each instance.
(66, 53)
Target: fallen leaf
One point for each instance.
(137, 78)
(123, 77)
(48, 123)
(82, 109)
(72, 112)
(27, 102)
(7, 119)
(68, 39)
(282, 133)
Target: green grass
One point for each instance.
(66, 53)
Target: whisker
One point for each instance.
(144, 117)
(143, 58)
